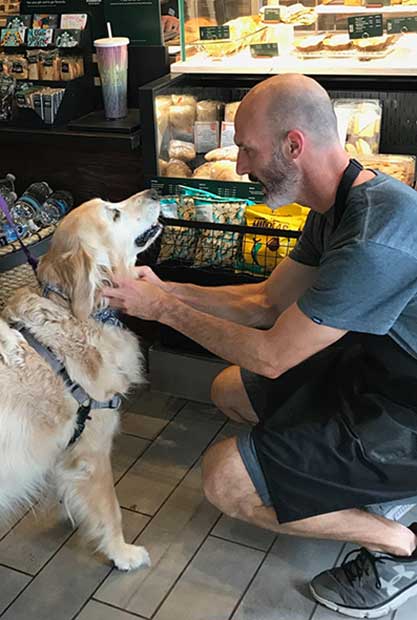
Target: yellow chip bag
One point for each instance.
(262, 252)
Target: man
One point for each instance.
(324, 352)
(169, 19)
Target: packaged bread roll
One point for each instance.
(162, 105)
(163, 165)
(228, 152)
(225, 171)
(230, 111)
(184, 100)
(219, 171)
(181, 120)
(178, 149)
(208, 110)
(203, 171)
(177, 168)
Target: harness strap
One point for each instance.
(85, 403)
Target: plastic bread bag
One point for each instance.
(181, 121)
(178, 243)
(179, 149)
(262, 252)
(401, 167)
(362, 120)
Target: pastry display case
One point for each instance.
(315, 37)
(216, 220)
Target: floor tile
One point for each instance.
(126, 450)
(12, 583)
(172, 538)
(154, 404)
(34, 540)
(150, 481)
(243, 533)
(98, 611)
(149, 414)
(213, 583)
(6, 526)
(67, 582)
(280, 589)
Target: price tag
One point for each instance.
(264, 49)
(209, 33)
(364, 26)
(402, 24)
(272, 14)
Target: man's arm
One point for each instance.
(254, 305)
(292, 339)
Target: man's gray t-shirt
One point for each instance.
(367, 267)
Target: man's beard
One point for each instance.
(280, 181)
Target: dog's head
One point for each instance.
(95, 241)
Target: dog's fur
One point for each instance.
(37, 415)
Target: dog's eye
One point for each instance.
(116, 215)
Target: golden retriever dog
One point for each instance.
(38, 413)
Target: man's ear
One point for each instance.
(294, 143)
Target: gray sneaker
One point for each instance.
(368, 586)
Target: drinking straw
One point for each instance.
(109, 32)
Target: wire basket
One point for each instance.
(240, 249)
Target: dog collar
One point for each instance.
(107, 316)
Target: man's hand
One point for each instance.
(145, 274)
(137, 298)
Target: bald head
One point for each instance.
(293, 101)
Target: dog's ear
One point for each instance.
(73, 271)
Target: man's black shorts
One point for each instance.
(339, 430)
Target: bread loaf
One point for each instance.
(230, 111)
(178, 149)
(181, 119)
(177, 168)
(208, 110)
(229, 153)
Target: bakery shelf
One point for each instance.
(342, 9)
(401, 63)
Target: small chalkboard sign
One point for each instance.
(364, 26)
(401, 24)
(210, 33)
(272, 14)
(264, 49)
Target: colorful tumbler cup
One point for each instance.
(112, 66)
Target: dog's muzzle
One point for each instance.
(151, 233)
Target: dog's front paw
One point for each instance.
(129, 557)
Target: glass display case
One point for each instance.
(316, 37)
(216, 219)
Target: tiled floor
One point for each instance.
(204, 565)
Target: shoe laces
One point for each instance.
(364, 563)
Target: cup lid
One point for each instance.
(111, 41)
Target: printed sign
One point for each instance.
(264, 49)
(402, 24)
(208, 33)
(272, 14)
(364, 26)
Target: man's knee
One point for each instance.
(225, 480)
(213, 479)
(229, 395)
(217, 391)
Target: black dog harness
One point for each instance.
(85, 402)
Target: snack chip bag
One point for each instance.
(262, 252)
